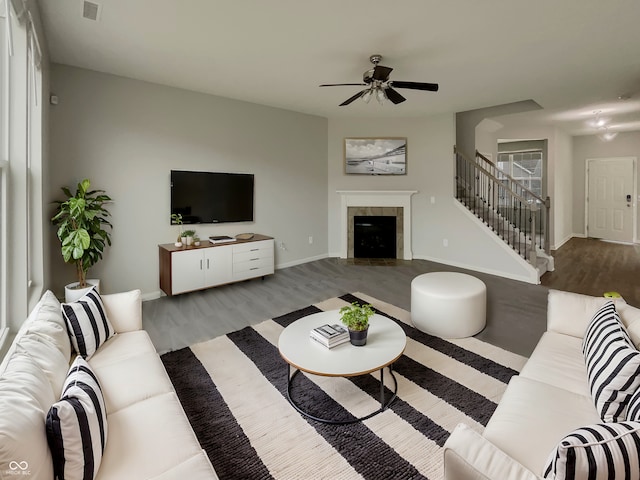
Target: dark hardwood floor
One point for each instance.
(592, 267)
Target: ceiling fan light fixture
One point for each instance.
(607, 136)
(366, 96)
(380, 95)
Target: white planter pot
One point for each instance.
(71, 293)
(189, 240)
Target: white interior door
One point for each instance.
(611, 198)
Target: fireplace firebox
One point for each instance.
(374, 236)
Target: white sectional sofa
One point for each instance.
(548, 400)
(149, 436)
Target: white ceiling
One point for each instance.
(571, 56)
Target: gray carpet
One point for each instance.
(233, 389)
(516, 311)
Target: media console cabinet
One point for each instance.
(185, 269)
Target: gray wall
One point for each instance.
(559, 173)
(626, 144)
(430, 166)
(126, 135)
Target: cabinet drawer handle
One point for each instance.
(254, 259)
(200, 264)
(254, 249)
(207, 264)
(255, 268)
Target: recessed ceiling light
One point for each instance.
(624, 96)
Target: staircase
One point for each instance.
(512, 211)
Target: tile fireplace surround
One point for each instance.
(396, 201)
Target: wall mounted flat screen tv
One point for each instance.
(212, 197)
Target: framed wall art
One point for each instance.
(375, 156)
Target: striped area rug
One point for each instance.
(234, 391)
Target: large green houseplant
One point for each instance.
(81, 220)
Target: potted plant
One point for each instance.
(356, 318)
(176, 218)
(196, 240)
(189, 234)
(81, 220)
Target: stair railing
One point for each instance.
(509, 208)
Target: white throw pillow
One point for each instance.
(600, 451)
(77, 425)
(88, 324)
(613, 364)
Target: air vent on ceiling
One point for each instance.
(90, 10)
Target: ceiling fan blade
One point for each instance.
(394, 96)
(354, 98)
(342, 84)
(431, 87)
(381, 73)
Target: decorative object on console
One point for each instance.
(189, 234)
(375, 156)
(81, 220)
(244, 236)
(220, 239)
(87, 323)
(77, 425)
(356, 318)
(196, 240)
(176, 218)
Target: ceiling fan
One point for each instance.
(378, 84)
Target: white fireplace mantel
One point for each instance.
(376, 198)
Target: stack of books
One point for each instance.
(221, 239)
(330, 335)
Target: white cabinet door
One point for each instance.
(187, 271)
(217, 262)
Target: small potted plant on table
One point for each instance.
(356, 318)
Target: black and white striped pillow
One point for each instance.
(633, 410)
(77, 425)
(613, 364)
(606, 450)
(87, 323)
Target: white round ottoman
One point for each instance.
(448, 304)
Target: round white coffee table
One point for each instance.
(386, 342)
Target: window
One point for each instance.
(21, 198)
(525, 167)
(4, 165)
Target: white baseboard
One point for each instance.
(301, 261)
(563, 241)
(522, 278)
(151, 295)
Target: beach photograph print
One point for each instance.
(375, 156)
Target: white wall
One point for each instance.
(126, 135)
(559, 175)
(563, 193)
(430, 171)
(626, 144)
